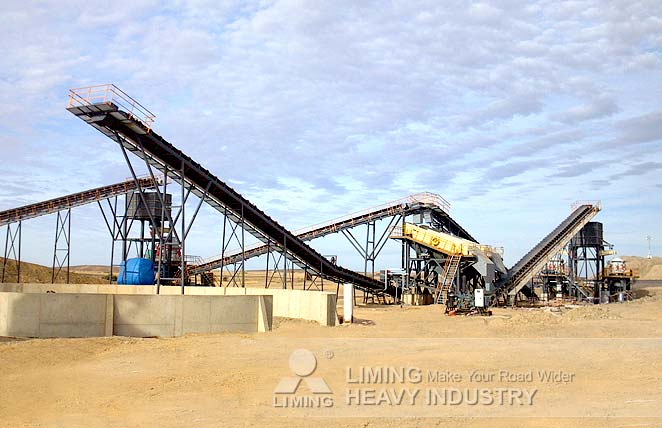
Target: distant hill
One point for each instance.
(648, 269)
(94, 269)
(35, 273)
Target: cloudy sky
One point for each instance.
(312, 109)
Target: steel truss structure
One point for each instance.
(520, 277)
(373, 245)
(128, 124)
(13, 220)
(447, 280)
(579, 271)
(431, 207)
(62, 247)
(12, 249)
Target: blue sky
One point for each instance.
(510, 110)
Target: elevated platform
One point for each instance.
(128, 124)
(448, 266)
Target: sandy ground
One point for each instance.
(613, 353)
(647, 269)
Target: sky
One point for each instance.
(510, 110)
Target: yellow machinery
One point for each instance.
(439, 241)
(457, 272)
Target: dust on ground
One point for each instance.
(228, 379)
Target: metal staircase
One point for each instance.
(450, 270)
(582, 288)
(206, 277)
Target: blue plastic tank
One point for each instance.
(136, 272)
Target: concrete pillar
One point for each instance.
(262, 317)
(110, 312)
(178, 326)
(348, 302)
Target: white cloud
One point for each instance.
(352, 102)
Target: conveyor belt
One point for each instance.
(454, 228)
(410, 205)
(525, 269)
(70, 201)
(136, 136)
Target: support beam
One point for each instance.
(348, 303)
(12, 249)
(62, 245)
(112, 121)
(183, 240)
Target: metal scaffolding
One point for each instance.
(12, 249)
(13, 219)
(62, 246)
(435, 205)
(128, 123)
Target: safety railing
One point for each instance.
(421, 198)
(578, 204)
(193, 259)
(398, 232)
(349, 220)
(111, 94)
(159, 179)
(431, 199)
(442, 241)
(497, 249)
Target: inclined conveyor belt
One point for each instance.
(135, 136)
(410, 205)
(524, 270)
(71, 201)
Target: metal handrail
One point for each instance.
(423, 198)
(160, 179)
(398, 232)
(577, 204)
(111, 94)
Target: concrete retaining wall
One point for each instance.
(299, 304)
(55, 315)
(171, 316)
(35, 314)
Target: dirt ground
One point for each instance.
(647, 269)
(613, 353)
(31, 272)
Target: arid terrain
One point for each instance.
(647, 269)
(31, 272)
(613, 352)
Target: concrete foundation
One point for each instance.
(308, 305)
(37, 314)
(417, 299)
(55, 315)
